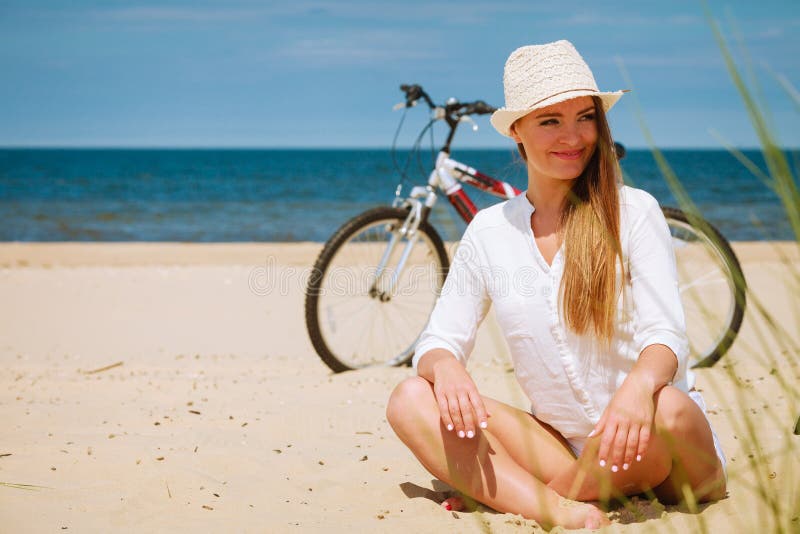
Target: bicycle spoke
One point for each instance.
(408, 326)
(343, 303)
(386, 340)
(704, 280)
(425, 307)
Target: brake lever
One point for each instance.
(401, 105)
(467, 118)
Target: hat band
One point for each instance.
(561, 93)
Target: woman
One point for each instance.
(582, 276)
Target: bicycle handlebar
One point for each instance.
(453, 108)
(413, 93)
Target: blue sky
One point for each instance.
(326, 73)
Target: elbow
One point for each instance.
(673, 343)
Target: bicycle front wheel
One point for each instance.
(712, 286)
(372, 290)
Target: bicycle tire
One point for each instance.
(700, 247)
(350, 257)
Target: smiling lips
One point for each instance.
(569, 155)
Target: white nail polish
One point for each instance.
(590, 434)
(614, 468)
(470, 434)
(625, 467)
(460, 433)
(484, 424)
(638, 457)
(449, 428)
(602, 463)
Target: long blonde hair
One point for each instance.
(589, 228)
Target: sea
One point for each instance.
(254, 195)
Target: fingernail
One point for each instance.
(638, 457)
(484, 424)
(447, 506)
(591, 434)
(602, 463)
(625, 467)
(614, 468)
(449, 427)
(460, 433)
(470, 434)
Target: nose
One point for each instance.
(570, 134)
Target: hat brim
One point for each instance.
(503, 118)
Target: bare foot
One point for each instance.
(573, 514)
(581, 515)
(595, 518)
(453, 504)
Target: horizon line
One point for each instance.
(339, 148)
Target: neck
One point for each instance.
(548, 195)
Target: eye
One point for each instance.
(548, 122)
(587, 117)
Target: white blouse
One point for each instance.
(569, 378)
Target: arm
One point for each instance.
(654, 289)
(654, 369)
(627, 421)
(447, 342)
(460, 405)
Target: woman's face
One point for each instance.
(559, 140)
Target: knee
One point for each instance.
(404, 400)
(673, 411)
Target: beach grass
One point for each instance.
(765, 467)
(28, 487)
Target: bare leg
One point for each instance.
(694, 459)
(681, 452)
(500, 466)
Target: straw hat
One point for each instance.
(538, 76)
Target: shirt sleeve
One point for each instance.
(461, 306)
(654, 285)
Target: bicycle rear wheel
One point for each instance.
(712, 286)
(352, 317)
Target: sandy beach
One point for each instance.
(153, 388)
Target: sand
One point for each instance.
(154, 387)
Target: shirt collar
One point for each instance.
(527, 206)
(518, 211)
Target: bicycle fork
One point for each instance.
(418, 213)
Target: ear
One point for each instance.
(513, 131)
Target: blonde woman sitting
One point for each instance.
(582, 277)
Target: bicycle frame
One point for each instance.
(447, 176)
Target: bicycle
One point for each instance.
(375, 282)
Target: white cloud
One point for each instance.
(669, 61)
(171, 14)
(621, 21)
(452, 12)
(772, 32)
(358, 48)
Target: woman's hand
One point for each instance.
(460, 405)
(626, 425)
(627, 422)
